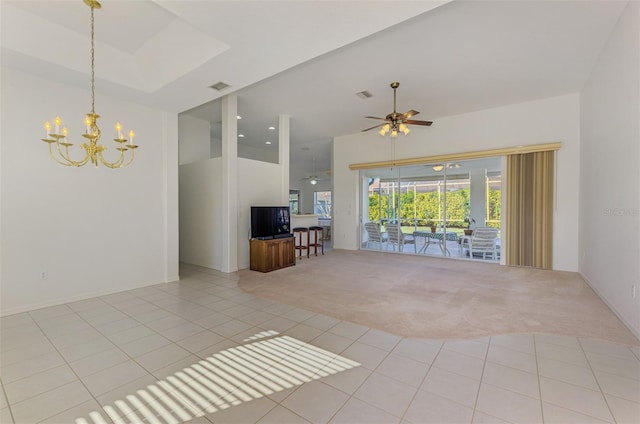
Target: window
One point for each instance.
(322, 204)
(294, 201)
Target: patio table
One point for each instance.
(438, 236)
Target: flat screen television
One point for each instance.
(269, 222)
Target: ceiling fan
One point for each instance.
(397, 122)
(313, 179)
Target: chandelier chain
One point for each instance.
(93, 75)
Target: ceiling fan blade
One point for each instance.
(409, 114)
(375, 117)
(412, 122)
(375, 126)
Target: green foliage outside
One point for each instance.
(495, 205)
(427, 210)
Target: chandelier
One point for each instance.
(57, 136)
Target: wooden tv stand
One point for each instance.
(269, 255)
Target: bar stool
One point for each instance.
(298, 232)
(317, 241)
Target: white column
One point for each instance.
(283, 157)
(478, 196)
(171, 205)
(229, 183)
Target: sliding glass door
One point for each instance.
(425, 209)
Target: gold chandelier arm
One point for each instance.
(115, 164)
(133, 153)
(120, 162)
(67, 157)
(66, 160)
(55, 158)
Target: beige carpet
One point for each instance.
(439, 298)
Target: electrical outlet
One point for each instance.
(43, 275)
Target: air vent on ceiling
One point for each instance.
(364, 94)
(220, 86)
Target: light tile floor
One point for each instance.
(202, 350)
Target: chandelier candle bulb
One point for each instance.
(131, 134)
(47, 129)
(57, 121)
(118, 131)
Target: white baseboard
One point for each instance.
(62, 301)
(634, 331)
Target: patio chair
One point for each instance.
(374, 234)
(397, 237)
(483, 242)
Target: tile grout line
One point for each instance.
(69, 366)
(484, 366)
(413, 398)
(596, 380)
(535, 352)
(351, 396)
(4, 392)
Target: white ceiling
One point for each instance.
(309, 58)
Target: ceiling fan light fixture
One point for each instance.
(384, 130)
(405, 129)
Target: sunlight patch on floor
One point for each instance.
(269, 364)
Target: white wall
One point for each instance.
(609, 181)
(201, 208)
(195, 139)
(542, 121)
(255, 188)
(201, 213)
(258, 154)
(92, 230)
